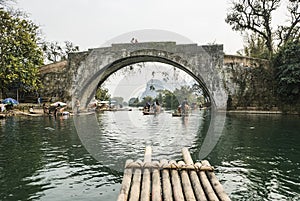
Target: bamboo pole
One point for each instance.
(156, 184)
(199, 192)
(148, 154)
(136, 183)
(146, 183)
(123, 195)
(176, 183)
(216, 184)
(186, 184)
(207, 186)
(187, 156)
(166, 182)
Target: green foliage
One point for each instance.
(102, 94)
(256, 47)
(145, 100)
(20, 55)
(173, 99)
(170, 100)
(55, 52)
(287, 66)
(185, 92)
(133, 101)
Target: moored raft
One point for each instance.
(170, 180)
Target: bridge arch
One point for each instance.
(203, 63)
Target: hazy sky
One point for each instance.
(90, 23)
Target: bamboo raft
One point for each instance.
(169, 180)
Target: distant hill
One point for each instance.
(153, 86)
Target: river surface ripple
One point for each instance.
(42, 158)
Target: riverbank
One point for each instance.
(255, 112)
(23, 110)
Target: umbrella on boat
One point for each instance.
(62, 104)
(10, 101)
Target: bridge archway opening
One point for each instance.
(131, 63)
(154, 81)
(203, 63)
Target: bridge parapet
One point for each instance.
(246, 61)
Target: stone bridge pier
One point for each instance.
(203, 63)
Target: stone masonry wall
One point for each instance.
(249, 83)
(57, 79)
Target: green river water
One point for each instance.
(257, 157)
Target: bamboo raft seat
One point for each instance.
(170, 180)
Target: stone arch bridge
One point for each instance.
(78, 77)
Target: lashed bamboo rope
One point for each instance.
(216, 184)
(196, 167)
(168, 184)
(123, 196)
(199, 193)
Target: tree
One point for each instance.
(287, 66)
(256, 47)
(170, 100)
(55, 52)
(145, 100)
(256, 16)
(102, 94)
(185, 92)
(20, 55)
(292, 32)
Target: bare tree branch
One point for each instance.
(256, 16)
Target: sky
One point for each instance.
(90, 23)
(97, 23)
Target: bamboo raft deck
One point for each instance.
(169, 180)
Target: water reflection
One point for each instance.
(48, 164)
(123, 135)
(259, 160)
(256, 158)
